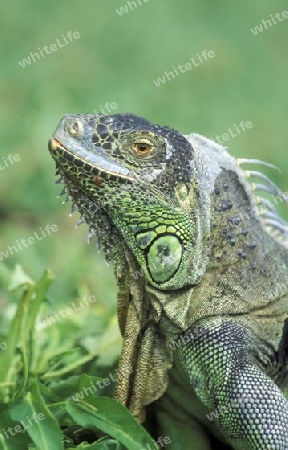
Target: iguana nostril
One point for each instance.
(75, 128)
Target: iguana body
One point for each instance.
(202, 275)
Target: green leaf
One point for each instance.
(64, 388)
(44, 429)
(92, 386)
(17, 334)
(11, 436)
(102, 444)
(109, 343)
(5, 274)
(40, 290)
(17, 442)
(19, 278)
(109, 416)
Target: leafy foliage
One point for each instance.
(54, 392)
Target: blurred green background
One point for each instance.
(116, 60)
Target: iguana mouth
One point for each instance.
(53, 144)
(114, 172)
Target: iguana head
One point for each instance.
(131, 181)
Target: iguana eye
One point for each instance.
(142, 148)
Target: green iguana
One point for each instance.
(202, 270)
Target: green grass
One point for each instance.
(57, 373)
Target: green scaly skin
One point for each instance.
(202, 276)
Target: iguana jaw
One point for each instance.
(101, 165)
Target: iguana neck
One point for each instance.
(144, 349)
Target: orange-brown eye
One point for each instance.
(142, 148)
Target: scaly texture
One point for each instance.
(201, 264)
